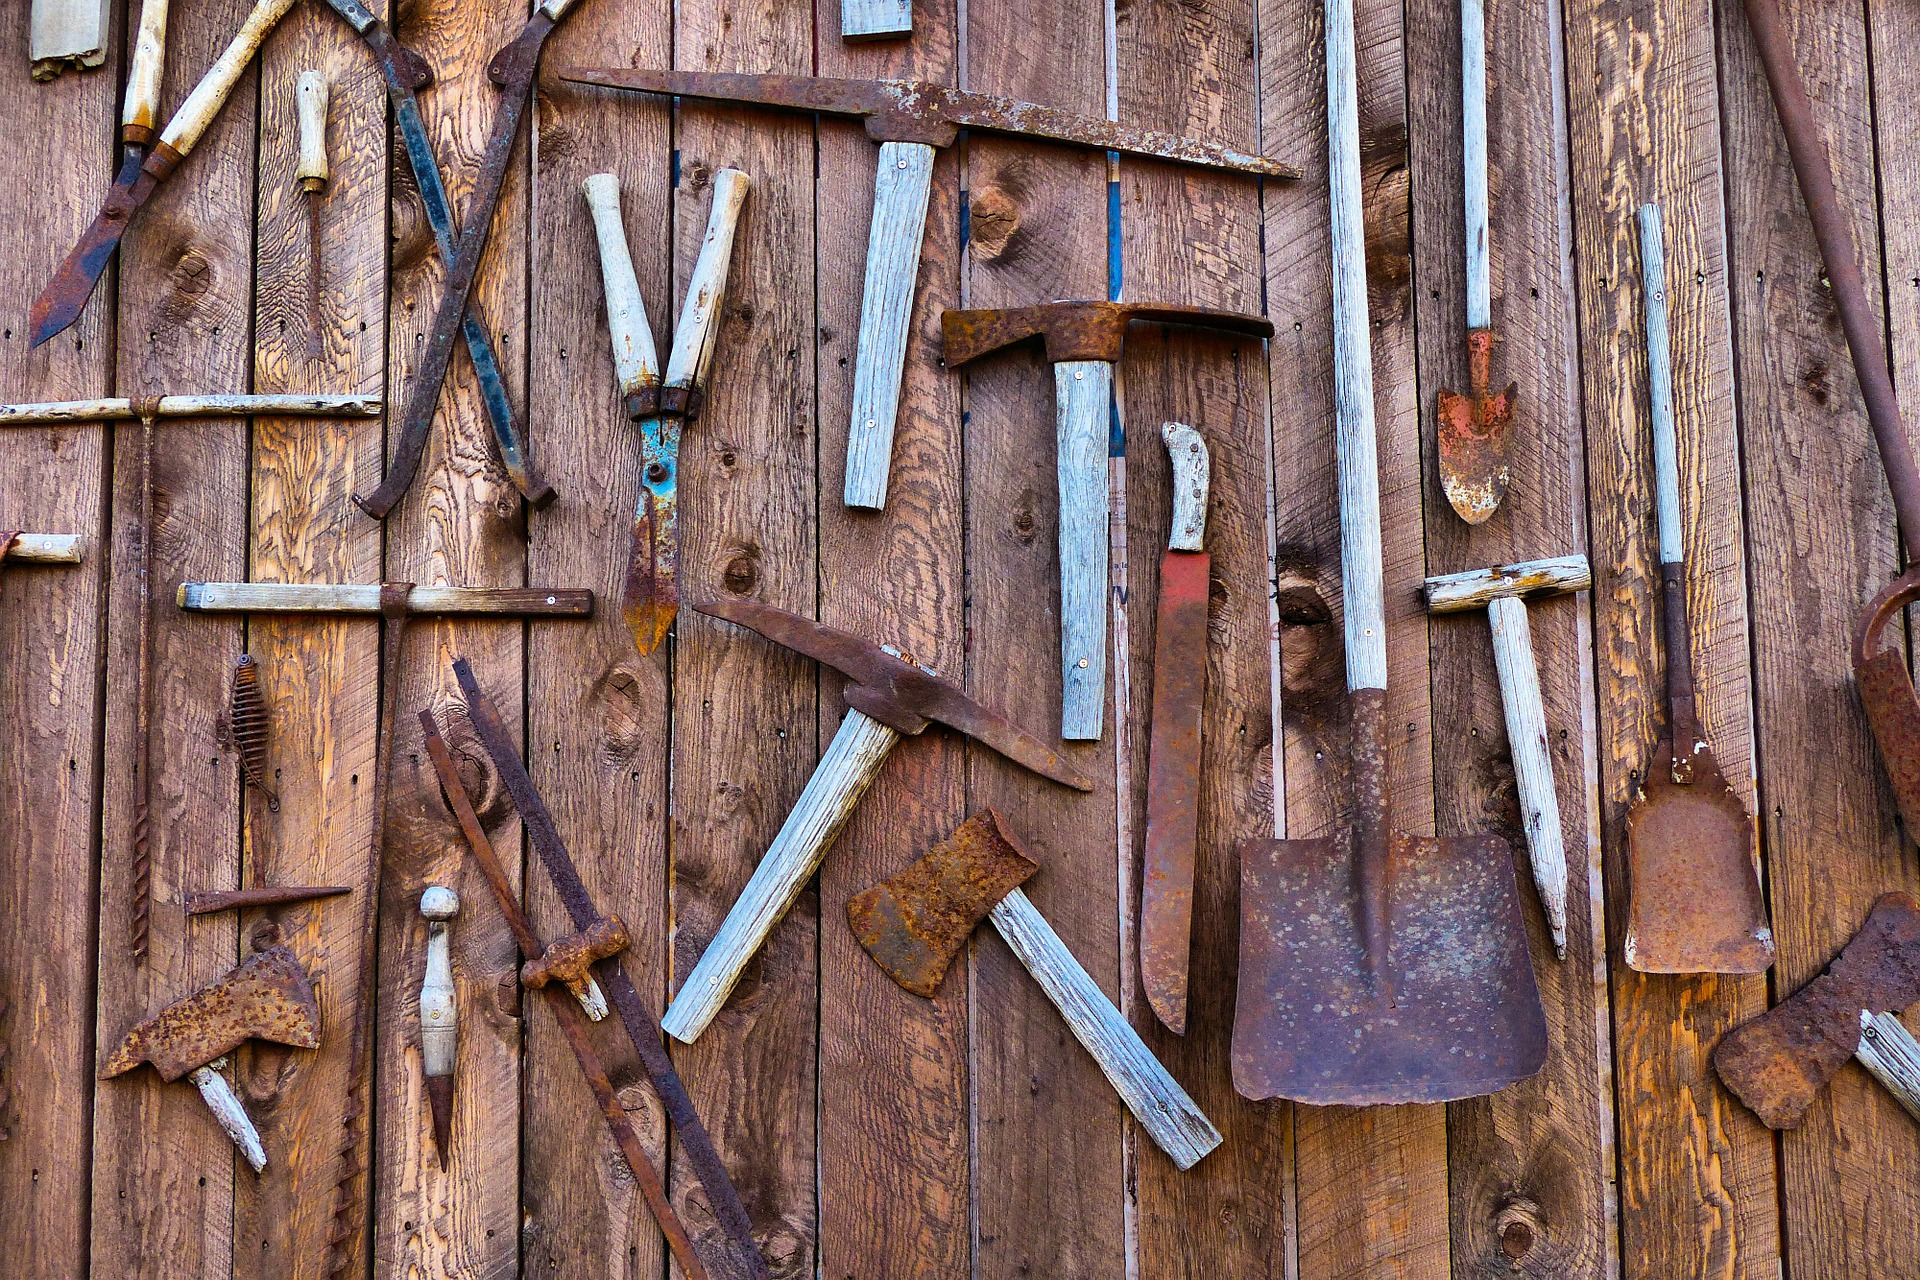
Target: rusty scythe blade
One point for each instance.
(1475, 432)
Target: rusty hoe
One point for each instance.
(247, 727)
(598, 938)
(1693, 849)
(439, 1015)
(1434, 999)
(1083, 342)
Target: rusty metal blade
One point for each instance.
(796, 93)
(650, 596)
(1887, 692)
(1475, 433)
(1696, 905)
(65, 296)
(1173, 784)
(950, 706)
(991, 114)
(267, 998)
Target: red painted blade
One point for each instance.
(1173, 783)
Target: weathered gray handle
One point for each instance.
(699, 327)
(204, 103)
(841, 778)
(1163, 1108)
(875, 19)
(1474, 589)
(1083, 395)
(120, 408)
(364, 598)
(439, 1013)
(1187, 457)
(1532, 762)
(1888, 1050)
(227, 1110)
(310, 97)
(636, 361)
(1666, 450)
(900, 190)
(67, 33)
(1473, 148)
(142, 110)
(46, 548)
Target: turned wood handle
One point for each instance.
(1532, 761)
(1083, 391)
(310, 97)
(1888, 1050)
(1187, 454)
(1156, 1099)
(142, 111)
(699, 327)
(636, 363)
(1666, 449)
(439, 1014)
(1473, 147)
(204, 103)
(901, 187)
(46, 548)
(841, 778)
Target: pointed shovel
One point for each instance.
(1375, 966)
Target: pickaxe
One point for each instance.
(1778, 1063)
(915, 923)
(910, 120)
(1504, 592)
(888, 695)
(267, 998)
(1083, 343)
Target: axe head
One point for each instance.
(914, 924)
(1778, 1063)
(267, 998)
(1474, 432)
(1076, 330)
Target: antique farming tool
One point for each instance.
(916, 922)
(1082, 341)
(202, 902)
(269, 997)
(1475, 428)
(650, 596)
(1778, 1063)
(1693, 847)
(599, 939)
(1173, 754)
(311, 172)
(875, 19)
(512, 70)
(65, 296)
(887, 696)
(1376, 966)
(910, 120)
(1504, 593)
(439, 1016)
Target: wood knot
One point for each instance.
(478, 777)
(1818, 380)
(1518, 1225)
(992, 220)
(698, 177)
(1025, 524)
(741, 574)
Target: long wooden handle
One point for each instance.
(1888, 1050)
(1156, 1099)
(699, 328)
(850, 764)
(46, 548)
(120, 409)
(901, 188)
(1666, 453)
(1532, 762)
(636, 362)
(1473, 146)
(327, 597)
(1083, 392)
(1361, 574)
(310, 98)
(142, 111)
(204, 103)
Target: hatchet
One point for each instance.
(910, 120)
(914, 924)
(888, 695)
(1083, 341)
(267, 998)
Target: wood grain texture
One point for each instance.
(894, 1096)
(46, 548)
(1478, 588)
(1083, 398)
(1526, 720)
(164, 1204)
(73, 33)
(1696, 1182)
(1891, 1055)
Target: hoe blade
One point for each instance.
(1460, 1017)
(1886, 691)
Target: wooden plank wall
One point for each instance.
(872, 1133)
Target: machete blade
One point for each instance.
(65, 296)
(1173, 784)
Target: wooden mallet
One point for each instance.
(1504, 592)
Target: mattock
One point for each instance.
(887, 696)
(1504, 593)
(1083, 342)
(148, 410)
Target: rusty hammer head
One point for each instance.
(1778, 1063)
(267, 998)
(914, 924)
(1077, 330)
(893, 689)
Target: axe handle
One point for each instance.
(901, 186)
(636, 361)
(226, 1108)
(875, 19)
(1156, 1099)
(1532, 763)
(1889, 1051)
(838, 782)
(1083, 397)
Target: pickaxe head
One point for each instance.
(914, 924)
(267, 998)
(1474, 433)
(1076, 330)
(890, 687)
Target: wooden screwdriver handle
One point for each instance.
(204, 103)
(142, 111)
(310, 98)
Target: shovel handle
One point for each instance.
(1666, 449)
(636, 362)
(142, 111)
(1473, 147)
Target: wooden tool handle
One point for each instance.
(901, 187)
(1361, 574)
(1156, 1099)
(699, 327)
(310, 97)
(841, 778)
(439, 1014)
(1532, 762)
(120, 409)
(1083, 394)
(142, 111)
(1666, 449)
(636, 363)
(226, 1108)
(1473, 147)
(1476, 588)
(326, 597)
(204, 103)
(1888, 1050)
(46, 548)
(1187, 455)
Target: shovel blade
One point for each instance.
(1696, 891)
(1461, 1016)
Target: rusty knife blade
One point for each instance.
(65, 296)
(1173, 784)
(650, 596)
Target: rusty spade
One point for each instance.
(915, 923)
(267, 998)
(888, 695)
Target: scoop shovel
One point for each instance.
(1375, 966)
(1691, 843)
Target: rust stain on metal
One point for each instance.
(569, 960)
(915, 923)
(1887, 692)
(1475, 432)
(1173, 783)
(203, 902)
(246, 727)
(1077, 330)
(1778, 1063)
(267, 998)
